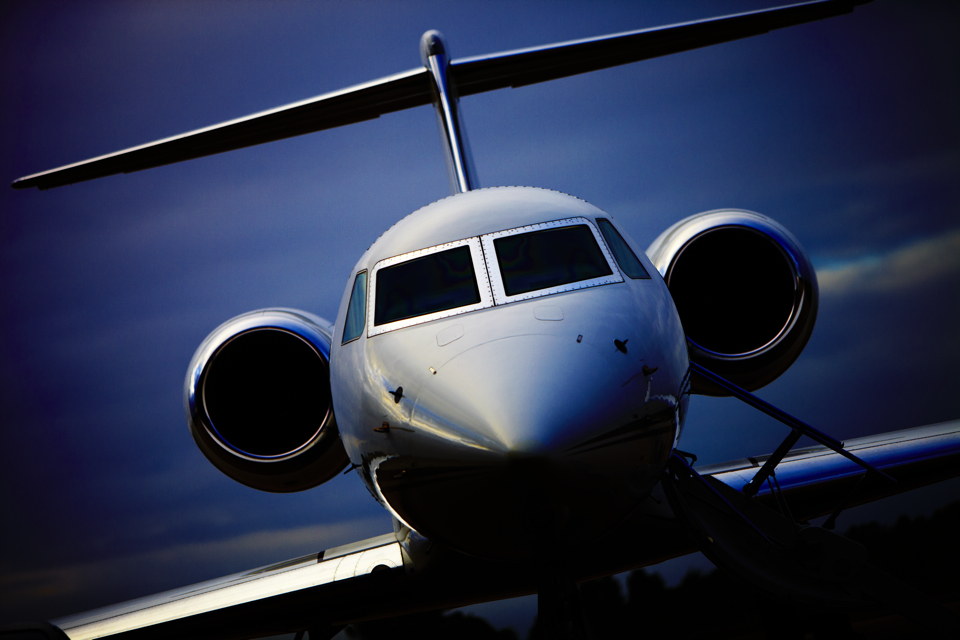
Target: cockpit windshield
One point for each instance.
(549, 258)
(483, 271)
(436, 282)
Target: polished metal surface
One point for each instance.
(456, 150)
(814, 478)
(663, 251)
(757, 366)
(512, 405)
(281, 581)
(311, 461)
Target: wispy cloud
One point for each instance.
(912, 265)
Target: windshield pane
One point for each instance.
(435, 282)
(549, 258)
(629, 262)
(357, 311)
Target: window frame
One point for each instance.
(493, 265)
(479, 270)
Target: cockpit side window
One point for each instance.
(432, 283)
(629, 262)
(549, 258)
(357, 309)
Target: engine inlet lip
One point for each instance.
(799, 296)
(217, 437)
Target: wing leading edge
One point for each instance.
(263, 601)
(378, 578)
(414, 88)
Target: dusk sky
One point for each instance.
(845, 131)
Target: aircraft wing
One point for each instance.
(413, 88)
(815, 479)
(377, 577)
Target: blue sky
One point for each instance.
(845, 131)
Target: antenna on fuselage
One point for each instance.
(456, 150)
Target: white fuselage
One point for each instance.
(524, 420)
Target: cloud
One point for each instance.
(910, 266)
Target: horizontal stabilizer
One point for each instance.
(550, 62)
(414, 88)
(347, 106)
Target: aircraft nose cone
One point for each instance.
(526, 396)
(533, 444)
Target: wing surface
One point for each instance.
(414, 88)
(269, 600)
(816, 480)
(377, 577)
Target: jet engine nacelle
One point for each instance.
(745, 290)
(258, 401)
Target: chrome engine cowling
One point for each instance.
(258, 401)
(745, 290)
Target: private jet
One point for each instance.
(509, 376)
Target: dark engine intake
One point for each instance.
(258, 401)
(745, 291)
